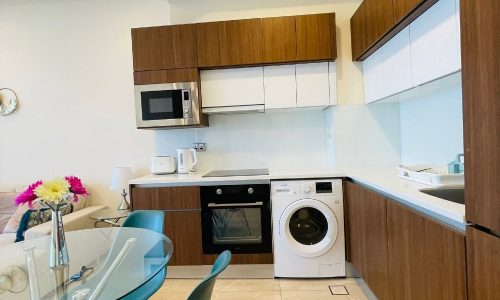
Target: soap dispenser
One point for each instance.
(457, 166)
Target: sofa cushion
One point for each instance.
(13, 224)
(7, 238)
(7, 208)
(32, 218)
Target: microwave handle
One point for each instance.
(260, 203)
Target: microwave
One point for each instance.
(167, 105)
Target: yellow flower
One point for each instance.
(53, 190)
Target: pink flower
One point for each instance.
(28, 195)
(76, 187)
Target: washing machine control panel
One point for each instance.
(306, 187)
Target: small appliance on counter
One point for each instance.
(161, 165)
(186, 160)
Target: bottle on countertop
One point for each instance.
(457, 166)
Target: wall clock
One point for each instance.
(8, 101)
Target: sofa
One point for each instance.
(77, 220)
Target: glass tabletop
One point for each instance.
(115, 273)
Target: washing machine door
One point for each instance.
(309, 227)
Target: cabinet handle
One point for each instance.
(260, 203)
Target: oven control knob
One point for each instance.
(306, 189)
(250, 190)
(218, 191)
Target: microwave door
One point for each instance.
(161, 105)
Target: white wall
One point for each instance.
(70, 63)
(432, 127)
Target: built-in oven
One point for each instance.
(236, 218)
(167, 104)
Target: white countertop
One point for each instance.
(382, 179)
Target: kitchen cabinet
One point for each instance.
(245, 44)
(229, 43)
(400, 253)
(316, 37)
(483, 264)
(182, 209)
(313, 87)
(481, 111)
(232, 87)
(279, 39)
(280, 87)
(211, 44)
(164, 47)
(367, 237)
(417, 248)
(375, 22)
(435, 43)
(332, 79)
(388, 70)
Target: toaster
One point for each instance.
(163, 165)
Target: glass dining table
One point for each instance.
(105, 263)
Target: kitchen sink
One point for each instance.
(456, 195)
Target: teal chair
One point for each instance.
(204, 290)
(152, 220)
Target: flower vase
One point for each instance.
(58, 250)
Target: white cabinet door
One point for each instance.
(313, 88)
(280, 89)
(435, 46)
(232, 87)
(332, 78)
(397, 64)
(373, 77)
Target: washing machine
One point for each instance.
(308, 228)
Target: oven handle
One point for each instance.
(260, 203)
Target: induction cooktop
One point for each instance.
(241, 172)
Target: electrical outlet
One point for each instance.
(200, 147)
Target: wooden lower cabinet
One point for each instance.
(242, 259)
(184, 230)
(426, 259)
(400, 253)
(368, 237)
(182, 209)
(483, 265)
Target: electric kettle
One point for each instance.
(186, 160)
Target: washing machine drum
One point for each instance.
(308, 227)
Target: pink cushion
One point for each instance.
(7, 208)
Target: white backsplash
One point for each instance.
(431, 127)
(274, 140)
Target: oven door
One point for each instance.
(171, 104)
(239, 226)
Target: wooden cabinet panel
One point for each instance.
(245, 44)
(168, 198)
(166, 76)
(359, 39)
(279, 39)
(417, 248)
(242, 259)
(403, 7)
(314, 37)
(368, 237)
(211, 44)
(184, 230)
(483, 264)
(164, 47)
(480, 85)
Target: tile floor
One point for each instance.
(266, 289)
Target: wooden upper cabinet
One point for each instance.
(164, 47)
(403, 7)
(211, 44)
(480, 21)
(315, 37)
(279, 39)
(245, 44)
(377, 21)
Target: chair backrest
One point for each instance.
(146, 219)
(152, 220)
(204, 289)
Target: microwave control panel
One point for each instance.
(187, 104)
